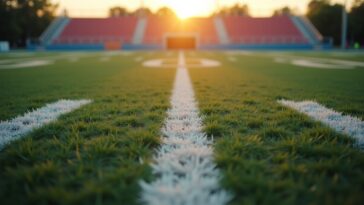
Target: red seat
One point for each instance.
(273, 30)
(157, 27)
(89, 30)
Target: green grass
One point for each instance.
(268, 154)
(91, 156)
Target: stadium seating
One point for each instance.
(157, 27)
(273, 30)
(204, 27)
(230, 32)
(94, 31)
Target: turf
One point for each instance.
(91, 156)
(268, 154)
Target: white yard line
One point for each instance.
(20, 126)
(53, 57)
(27, 64)
(320, 59)
(184, 163)
(313, 63)
(345, 124)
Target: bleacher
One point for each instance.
(213, 32)
(158, 27)
(273, 30)
(205, 29)
(97, 31)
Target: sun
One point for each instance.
(190, 8)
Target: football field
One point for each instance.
(258, 143)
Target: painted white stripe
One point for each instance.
(345, 124)
(319, 60)
(20, 126)
(184, 163)
(27, 64)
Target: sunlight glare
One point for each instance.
(190, 8)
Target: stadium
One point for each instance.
(231, 32)
(181, 102)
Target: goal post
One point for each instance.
(177, 41)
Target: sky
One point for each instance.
(183, 8)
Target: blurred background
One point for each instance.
(24, 21)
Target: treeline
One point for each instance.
(23, 20)
(327, 18)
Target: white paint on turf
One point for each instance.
(346, 124)
(206, 63)
(20, 126)
(199, 63)
(156, 63)
(26, 64)
(313, 63)
(320, 63)
(186, 173)
(40, 60)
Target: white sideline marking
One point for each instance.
(27, 64)
(156, 63)
(207, 63)
(346, 124)
(340, 62)
(51, 59)
(18, 127)
(318, 64)
(313, 63)
(184, 163)
(321, 63)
